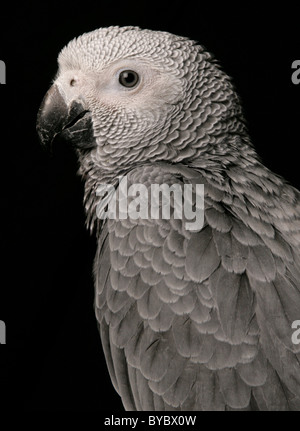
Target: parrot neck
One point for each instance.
(236, 154)
(231, 150)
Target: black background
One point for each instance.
(53, 355)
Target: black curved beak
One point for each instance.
(73, 122)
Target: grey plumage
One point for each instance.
(188, 320)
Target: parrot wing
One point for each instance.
(202, 320)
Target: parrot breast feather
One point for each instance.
(200, 320)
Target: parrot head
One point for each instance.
(124, 96)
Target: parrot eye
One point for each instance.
(128, 78)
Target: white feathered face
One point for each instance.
(123, 83)
(125, 95)
(129, 83)
(127, 98)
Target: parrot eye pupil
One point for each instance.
(128, 78)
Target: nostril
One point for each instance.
(73, 82)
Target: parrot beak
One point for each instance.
(71, 121)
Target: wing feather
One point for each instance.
(202, 320)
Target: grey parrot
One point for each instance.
(189, 319)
